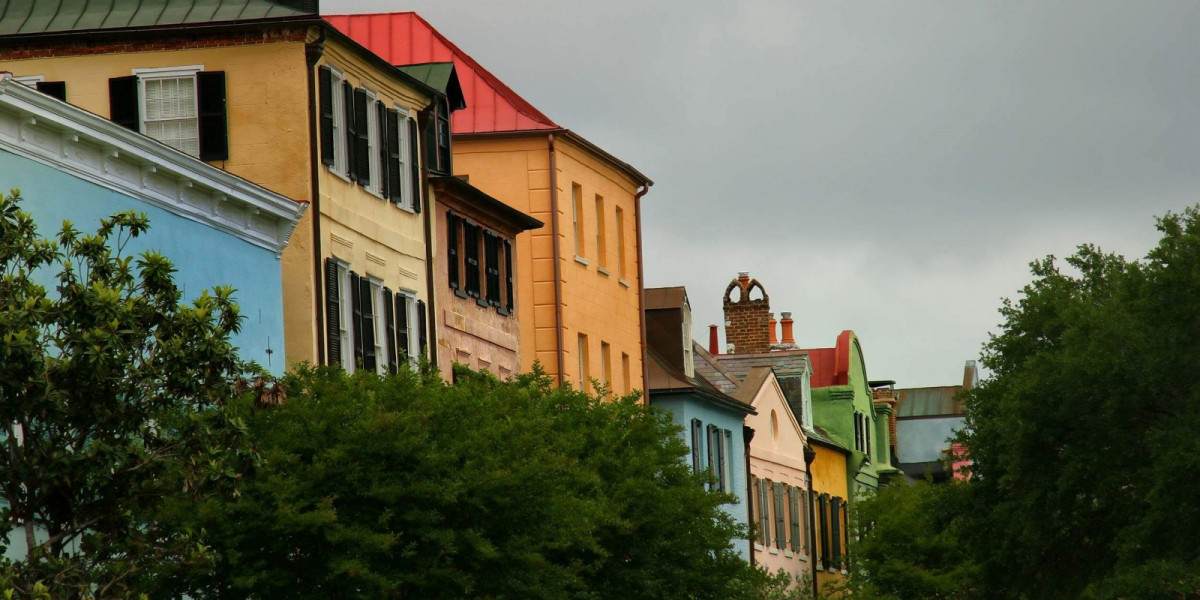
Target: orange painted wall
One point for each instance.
(603, 306)
(829, 477)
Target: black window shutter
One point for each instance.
(325, 92)
(212, 115)
(333, 314)
(356, 318)
(57, 89)
(824, 518)
(394, 178)
(443, 136)
(368, 323)
(491, 248)
(696, 429)
(414, 164)
(421, 330)
(452, 223)
(835, 527)
(381, 125)
(351, 130)
(362, 150)
(389, 324)
(508, 274)
(124, 105)
(402, 326)
(471, 257)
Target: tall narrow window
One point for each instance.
(470, 246)
(620, 243)
(713, 450)
(584, 375)
(764, 515)
(606, 363)
(727, 452)
(372, 136)
(794, 517)
(780, 516)
(601, 242)
(835, 527)
(823, 518)
(491, 255)
(697, 435)
(625, 371)
(577, 217)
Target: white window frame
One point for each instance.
(406, 184)
(379, 314)
(414, 328)
(375, 185)
(347, 316)
(162, 73)
(339, 166)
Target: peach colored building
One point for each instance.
(580, 276)
(477, 321)
(779, 476)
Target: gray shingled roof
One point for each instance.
(26, 17)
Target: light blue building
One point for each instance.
(216, 228)
(712, 421)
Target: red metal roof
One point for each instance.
(404, 38)
(831, 366)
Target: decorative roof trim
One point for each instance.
(85, 145)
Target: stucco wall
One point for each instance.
(777, 453)
(203, 256)
(605, 307)
(685, 407)
(829, 477)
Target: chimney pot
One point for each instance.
(788, 337)
(713, 348)
(743, 276)
(771, 324)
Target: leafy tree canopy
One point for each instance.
(110, 394)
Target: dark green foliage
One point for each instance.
(1086, 440)
(909, 545)
(109, 402)
(404, 486)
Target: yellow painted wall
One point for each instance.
(516, 170)
(829, 477)
(375, 236)
(269, 144)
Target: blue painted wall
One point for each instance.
(685, 407)
(204, 257)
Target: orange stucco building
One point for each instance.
(580, 276)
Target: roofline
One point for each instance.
(487, 75)
(621, 165)
(158, 158)
(126, 33)
(831, 446)
(455, 185)
(378, 61)
(714, 398)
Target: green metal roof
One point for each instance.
(27, 17)
(441, 77)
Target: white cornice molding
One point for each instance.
(85, 145)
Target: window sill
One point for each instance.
(581, 260)
(819, 568)
(461, 294)
(788, 554)
(623, 282)
(773, 550)
(341, 176)
(758, 546)
(602, 271)
(504, 311)
(480, 302)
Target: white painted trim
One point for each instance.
(92, 148)
(30, 80)
(168, 72)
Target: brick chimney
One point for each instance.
(748, 325)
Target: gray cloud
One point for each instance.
(887, 167)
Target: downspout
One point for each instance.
(558, 300)
(810, 456)
(637, 219)
(431, 314)
(747, 435)
(312, 54)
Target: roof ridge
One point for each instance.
(518, 102)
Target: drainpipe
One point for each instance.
(810, 455)
(431, 313)
(558, 307)
(312, 54)
(637, 219)
(747, 435)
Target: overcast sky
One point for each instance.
(886, 167)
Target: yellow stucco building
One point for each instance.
(580, 275)
(277, 96)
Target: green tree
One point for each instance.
(109, 403)
(1085, 439)
(404, 486)
(909, 545)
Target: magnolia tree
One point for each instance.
(110, 396)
